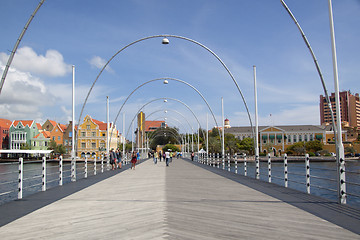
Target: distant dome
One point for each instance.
(227, 123)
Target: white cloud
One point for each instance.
(27, 60)
(99, 63)
(23, 95)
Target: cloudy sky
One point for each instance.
(241, 33)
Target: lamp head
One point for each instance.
(166, 81)
(165, 41)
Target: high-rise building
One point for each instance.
(349, 109)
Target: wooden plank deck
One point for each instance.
(183, 201)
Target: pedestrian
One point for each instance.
(155, 157)
(112, 159)
(167, 157)
(119, 155)
(133, 159)
(138, 156)
(192, 156)
(159, 154)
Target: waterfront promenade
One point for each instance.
(183, 201)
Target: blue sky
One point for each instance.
(242, 33)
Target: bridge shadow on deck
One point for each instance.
(341, 215)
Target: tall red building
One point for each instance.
(349, 109)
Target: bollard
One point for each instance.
(43, 174)
(61, 171)
(285, 170)
(245, 167)
(20, 178)
(269, 167)
(307, 169)
(85, 176)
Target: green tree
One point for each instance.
(247, 144)
(297, 148)
(172, 147)
(214, 145)
(313, 146)
(231, 143)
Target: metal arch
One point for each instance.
(11, 57)
(157, 99)
(174, 36)
(172, 79)
(191, 128)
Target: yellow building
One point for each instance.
(92, 138)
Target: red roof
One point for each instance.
(52, 122)
(102, 125)
(5, 123)
(150, 125)
(62, 127)
(46, 134)
(39, 126)
(23, 122)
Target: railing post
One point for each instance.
(342, 182)
(21, 176)
(95, 166)
(257, 167)
(285, 170)
(228, 157)
(43, 174)
(236, 165)
(107, 163)
(73, 169)
(86, 160)
(218, 160)
(269, 167)
(61, 171)
(223, 161)
(102, 164)
(307, 167)
(245, 167)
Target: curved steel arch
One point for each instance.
(166, 36)
(11, 57)
(157, 99)
(161, 110)
(172, 79)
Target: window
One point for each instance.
(66, 142)
(93, 145)
(46, 143)
(59, 138)
(83, 134)
(83, 145)
(93, 134)
(34, 144)
(102, 144)
(54, 138)
(88, 127)
(70, 134)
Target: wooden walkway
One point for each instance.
(182, 201)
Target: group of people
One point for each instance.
(165, 155)
(115, 159)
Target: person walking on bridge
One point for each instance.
(133, 159)
(167, 157)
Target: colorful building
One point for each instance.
(4, 133)
(22, 132)
(92, 137)
(41, 141)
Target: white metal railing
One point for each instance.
(35, 176)
(287, 173)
